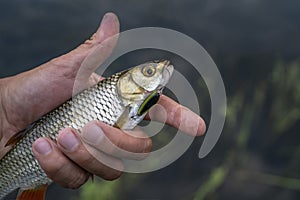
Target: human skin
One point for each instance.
(26, 97)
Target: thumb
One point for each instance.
(30, 94)
(89, 55)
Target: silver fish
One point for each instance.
(121, 100)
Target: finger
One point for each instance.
(177, 116)
(47, 79)
(115, 142)
(108, 35)
(89, 55)
(57, 166)
(95, 162)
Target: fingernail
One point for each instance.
(92, 134)
(68, 140)
(108, 17)
(105, 23)
(42, 146)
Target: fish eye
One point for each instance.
(148, 71)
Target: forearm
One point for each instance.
(2, 114)
(3, 121)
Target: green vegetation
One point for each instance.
(279, 94)
(98, 189)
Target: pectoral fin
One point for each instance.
(15, 138)
(18, 136)
(37, 193)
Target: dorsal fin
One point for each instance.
(18, 136)
(37, 193)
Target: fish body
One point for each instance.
(121, 100)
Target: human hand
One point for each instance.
(28, 96)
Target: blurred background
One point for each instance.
(255, 44)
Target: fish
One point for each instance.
(121, 100)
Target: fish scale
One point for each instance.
(121, 100)
(18, 166)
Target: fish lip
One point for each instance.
(159, 90)
(170, 69)
(167, 72)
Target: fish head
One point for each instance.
(152, 75)
(144, 79)
(140, 88)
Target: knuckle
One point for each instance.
(54, 175)
(77, 181)
(113, 175)
(177, 117)
(148, 145)
(68, 176)
(84, 157)
(174, 116)
(52, 168)
(109, 173)
(202, 127)
(114, 147)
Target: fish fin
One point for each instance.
(37, 193)
(116, 126)
(124, 119)
(18, 136)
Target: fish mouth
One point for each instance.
(167, 72)
(169, 69)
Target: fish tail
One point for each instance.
(37, 193)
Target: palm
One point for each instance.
(26, 97)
